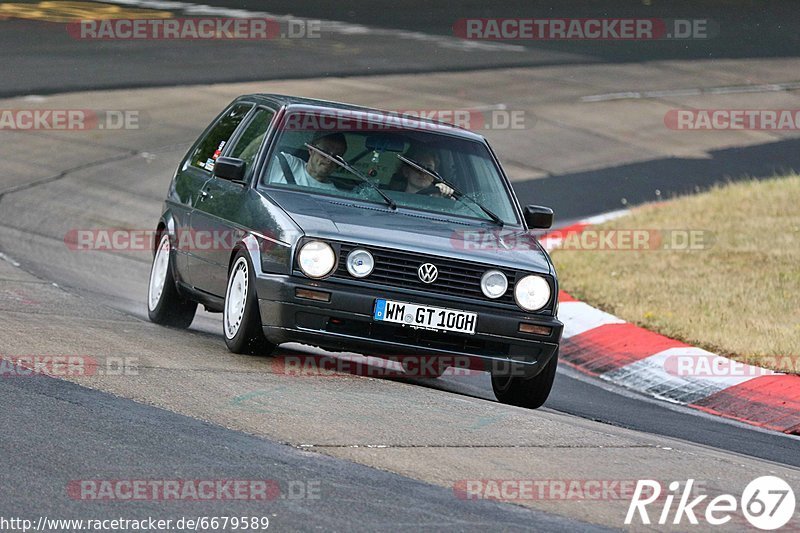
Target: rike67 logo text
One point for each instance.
(767, 502)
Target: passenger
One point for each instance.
(316, 171)
(410, 180)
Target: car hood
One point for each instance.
(342, 219)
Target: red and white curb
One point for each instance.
(602, 345)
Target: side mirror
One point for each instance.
(538, 217)
(230, 168)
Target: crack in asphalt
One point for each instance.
(128, 153)
(65, 173)
(24, 282)
(47, 135)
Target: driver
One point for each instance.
(316, 171)
(411, 180)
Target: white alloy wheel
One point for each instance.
(236, 297)
(158, 274)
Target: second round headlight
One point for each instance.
(494, 284)
(316, 259)
(532, 293)
(360, 263)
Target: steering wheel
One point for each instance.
(432, 189)
(435, 191)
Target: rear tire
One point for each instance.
(530, 393)
(165, 305)
(241, 319)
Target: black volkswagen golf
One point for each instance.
(362, 230)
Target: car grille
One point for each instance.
(396, 268)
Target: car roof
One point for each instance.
(301, 103)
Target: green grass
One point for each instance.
(737, 296)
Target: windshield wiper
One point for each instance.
(345, 165)
(459, 194)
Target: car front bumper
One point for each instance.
(345, 323)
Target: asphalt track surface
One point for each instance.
(112, 438)
(373, 39)
(92, 434)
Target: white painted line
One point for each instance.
(728, 89)
(605, 217)
(552, 239)
(579, 317)
(489, 107)
(7, 259)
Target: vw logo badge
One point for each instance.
(427, 273)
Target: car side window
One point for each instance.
(209, 149)
(249, 142)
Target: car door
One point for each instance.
(183, 194)
(224, 209)
(193, 173)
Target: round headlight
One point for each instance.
(360, 263)
(316, 259)
(494, 284)
(532, 293)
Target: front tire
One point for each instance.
(165, 305)
(241, 319)
(530, 393)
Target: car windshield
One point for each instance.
(470, 186)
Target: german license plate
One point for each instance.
(425, 316)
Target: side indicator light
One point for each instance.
(308, 294)
(534, 329)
